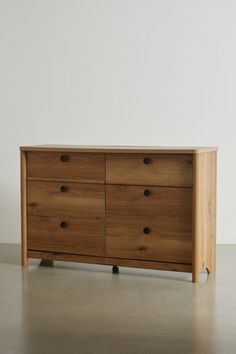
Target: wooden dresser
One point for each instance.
(144, 207)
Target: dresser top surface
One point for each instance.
(121, 149)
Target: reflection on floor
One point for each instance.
(76, 308)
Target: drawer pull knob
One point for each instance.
(147, 160)
(63, 224)
(147, 192)
(63, 189)
(64, 158)
(146, 230)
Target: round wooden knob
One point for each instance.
(64, 158)
(147, 192)
(63, 189)
(146, 230)
(147, 160)
(63, 224)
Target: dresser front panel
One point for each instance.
(166, 213)
(150, 169)
(80, 167)
(66, 200)
(77, 236)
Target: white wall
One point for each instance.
(134, 72)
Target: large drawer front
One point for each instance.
(155, 227)
(81, 167)
(149, 169)
(66, 199)
(66, 235)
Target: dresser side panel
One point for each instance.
(24, 257)
(204, 213)
(197, 218)
(209, 213)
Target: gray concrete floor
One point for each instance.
(77, 308)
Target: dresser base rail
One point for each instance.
(168, 266)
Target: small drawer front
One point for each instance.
(149, 223)
(81, 167)
(150, 169)
(67, 235)
(65, 199)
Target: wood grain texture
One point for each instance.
(79, 200)
(80, 236)
(163, 170)
(107, 228)
(210, 211)
(196, 246)
(167, 212)
(24, 257)
(80, 167)
(204, 213)
(178, 267)
(117, 149)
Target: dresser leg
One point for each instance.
(24, 260)
(195, 277)
(115, 269)
(46, 263)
